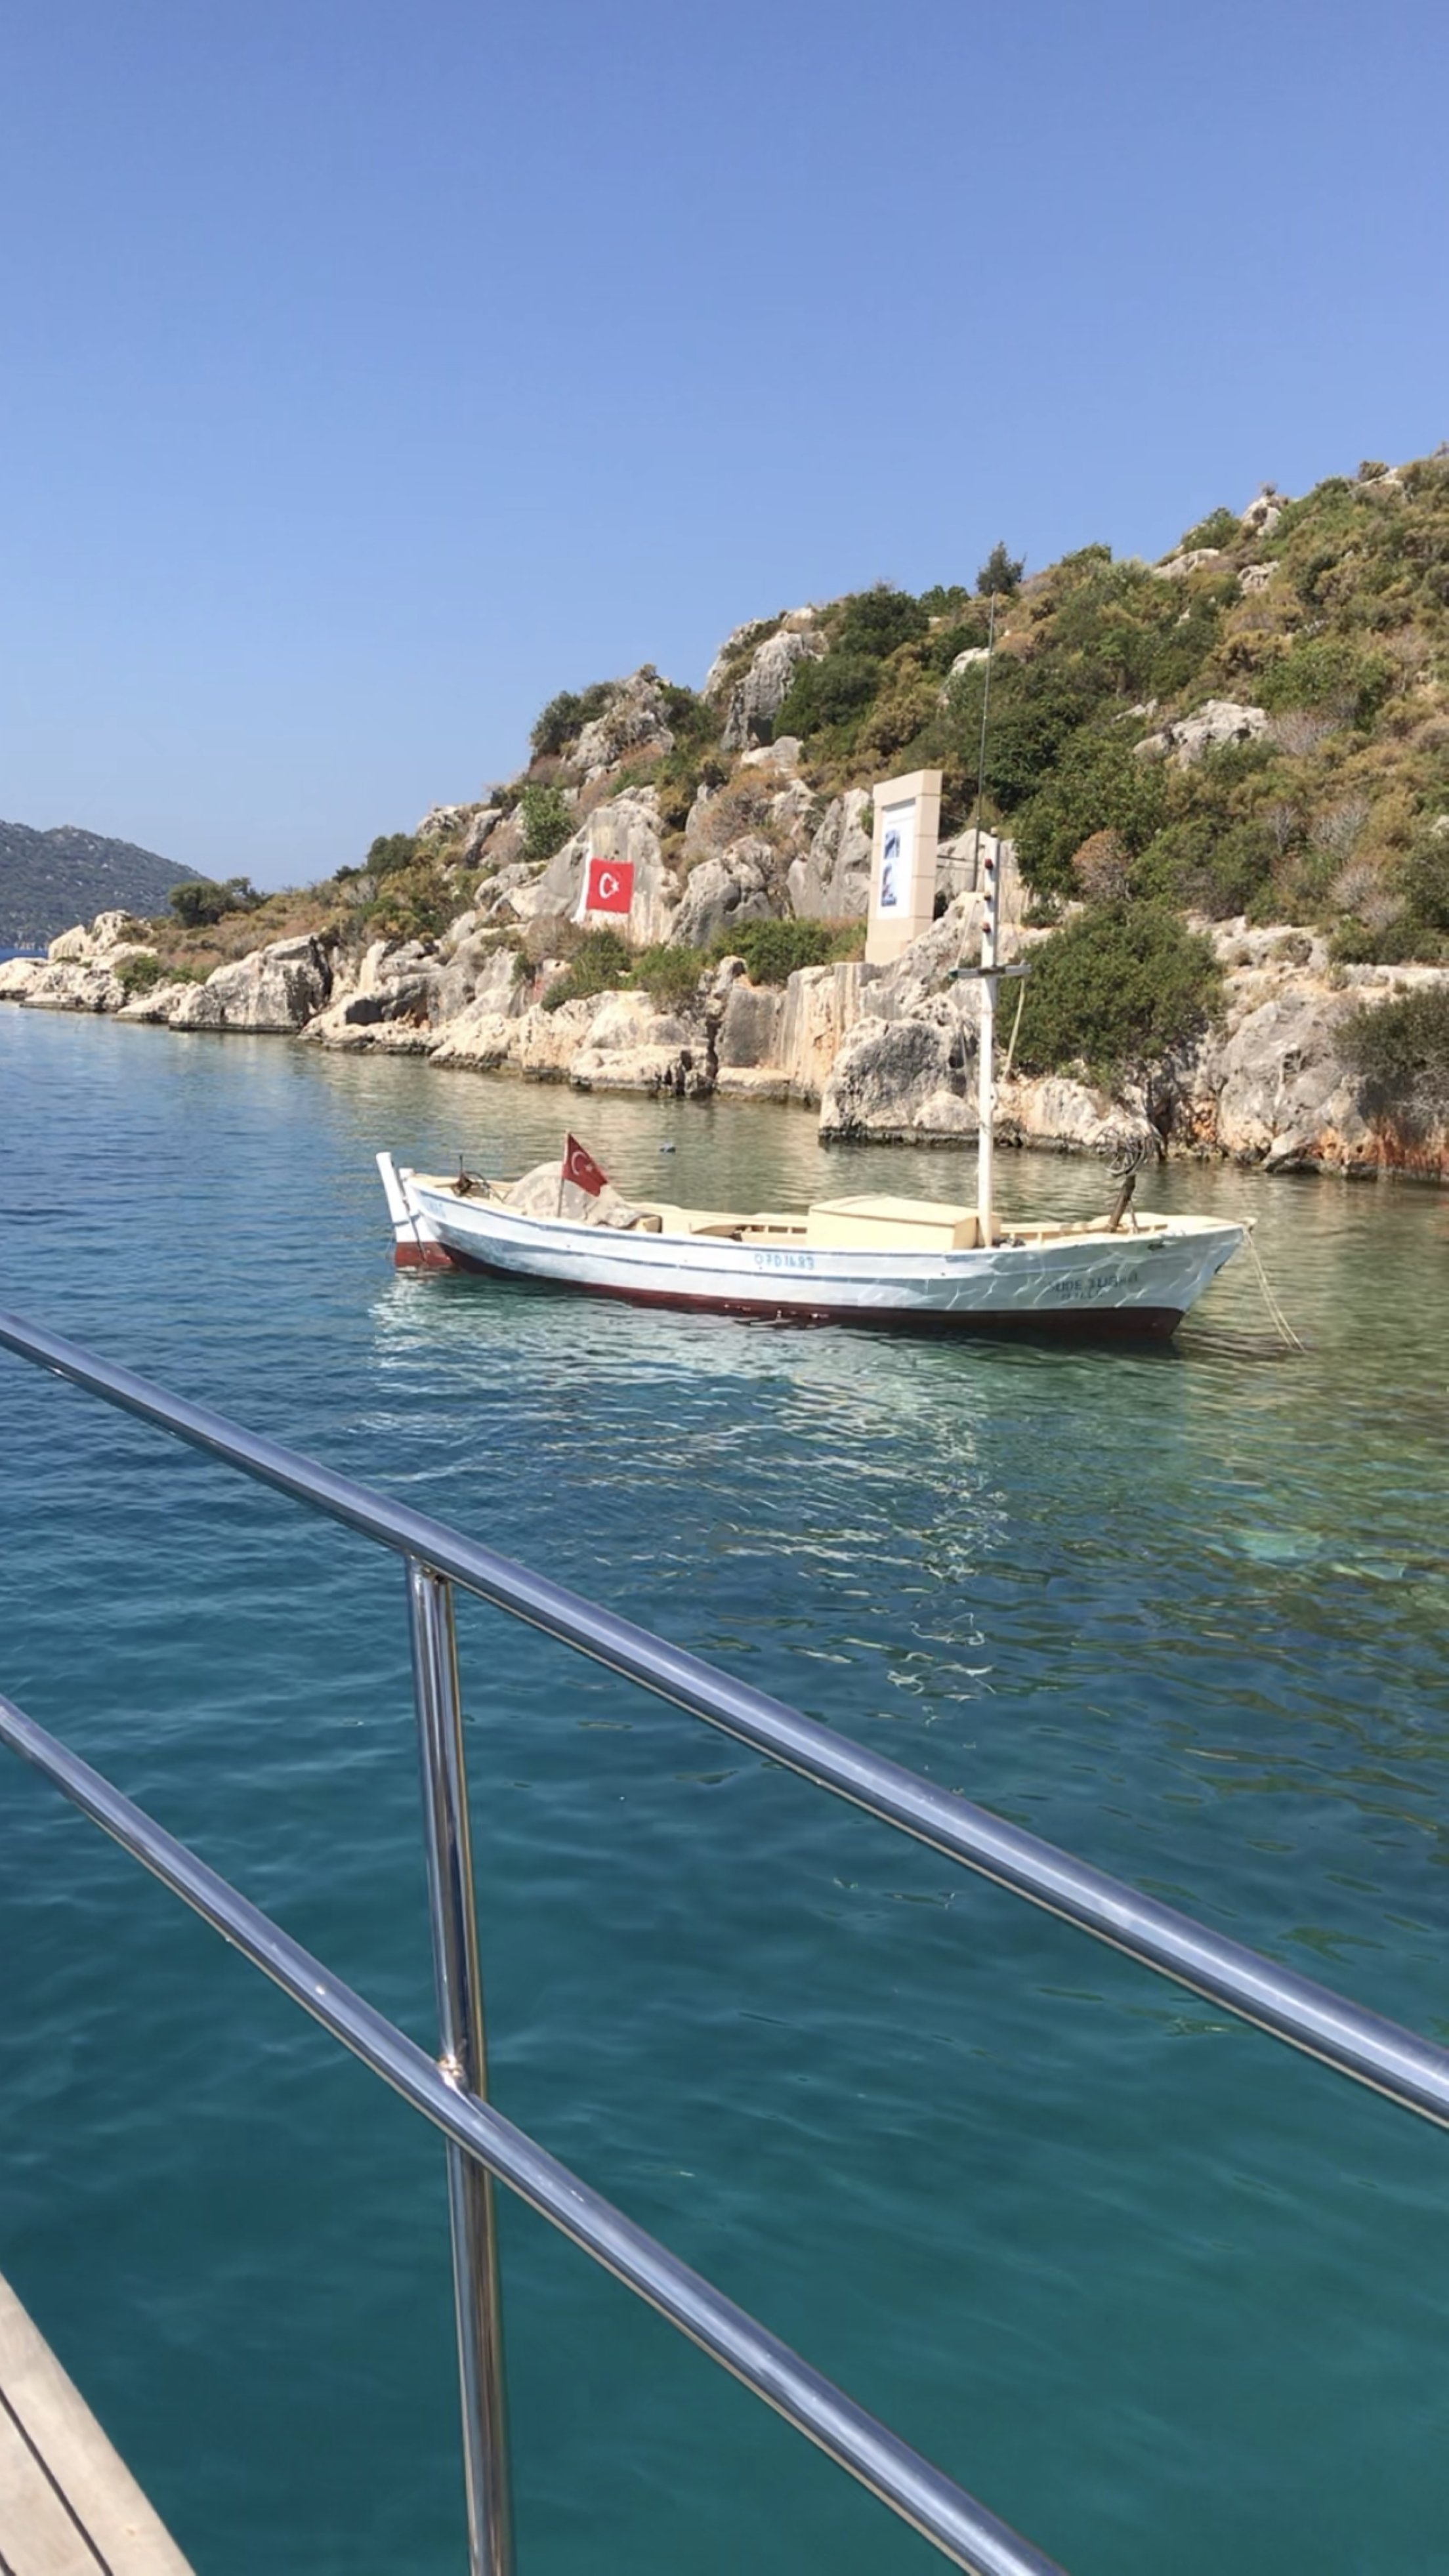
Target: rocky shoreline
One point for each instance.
(882, 1055)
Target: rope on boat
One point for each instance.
(1276, 1316)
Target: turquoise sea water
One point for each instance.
(1163, 2295)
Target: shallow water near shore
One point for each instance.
(1161, 2294)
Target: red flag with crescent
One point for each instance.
(580, 1167)
(608, 886)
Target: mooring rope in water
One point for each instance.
(1276, 1316)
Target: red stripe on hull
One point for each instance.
(426, 1256)
(1116, 1323)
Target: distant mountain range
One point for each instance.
(48, 880)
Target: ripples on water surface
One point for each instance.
(1163, 2295)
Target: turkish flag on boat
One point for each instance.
(608, 887)
(581, 1168)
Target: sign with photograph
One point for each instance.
(897, 863)
(902, 863)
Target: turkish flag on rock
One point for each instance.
(581, 1168)
(608, 886)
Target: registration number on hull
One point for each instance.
(1083, 1287)
(784, 1260)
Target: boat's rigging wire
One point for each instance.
(1015, 1025)
(981, 757)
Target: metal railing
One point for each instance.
(452, 2091)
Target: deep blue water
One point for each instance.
(1165, 2296)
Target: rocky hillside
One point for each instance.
(1217, 786)
(51, 879)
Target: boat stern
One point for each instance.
(415, 1246)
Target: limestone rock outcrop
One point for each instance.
(109, 935)
(832, 881)
(276, 990)
(1218, 721)
(1178, 566)
(763, 686)
(1263, 514)
(635, 720)
(628, 828)
(724, 891)
(821, 1004)
(895, 1081)
(65, 985)
(1064, 1116)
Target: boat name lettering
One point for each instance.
(784, 1260)
(1079, 1287)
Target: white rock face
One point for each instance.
(19, 976)
(442, 822)
(108, 933)
(276, 990)
(1262, 516)
(896, 1080)
(1256, 577)
(634, 721)
(723, 891)
(761, 691)
(781, 759)
(631, 824)
(750, 1029)
(832, 882)
(1218, 721)
(88, 985)
(821, 1003)
(1178, 566)
(1068, 1117)
(481, 1039)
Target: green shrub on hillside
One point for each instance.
(1119, 986)
(140, 974)
(389, 853)
(1205, 865)
(548, 821)
(1099, 785)
(565, 717)
(1331, 674)
(773, 951)
(876, 622)
(600, 963)
(827, 694)
(412, 903)
(947, 599)
(199, 904)
(1400, 1052)
(1417, 932)
(1036, 707)
(670, 976)
(1220, 528)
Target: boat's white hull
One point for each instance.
(1141, 1282)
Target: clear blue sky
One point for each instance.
(370, 372)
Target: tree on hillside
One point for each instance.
(198, 903)
(1001, 572)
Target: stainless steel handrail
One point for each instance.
(920, 2493)
(1371, 2050)
(1364, 2045)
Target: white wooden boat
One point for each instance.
(913, 1263)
